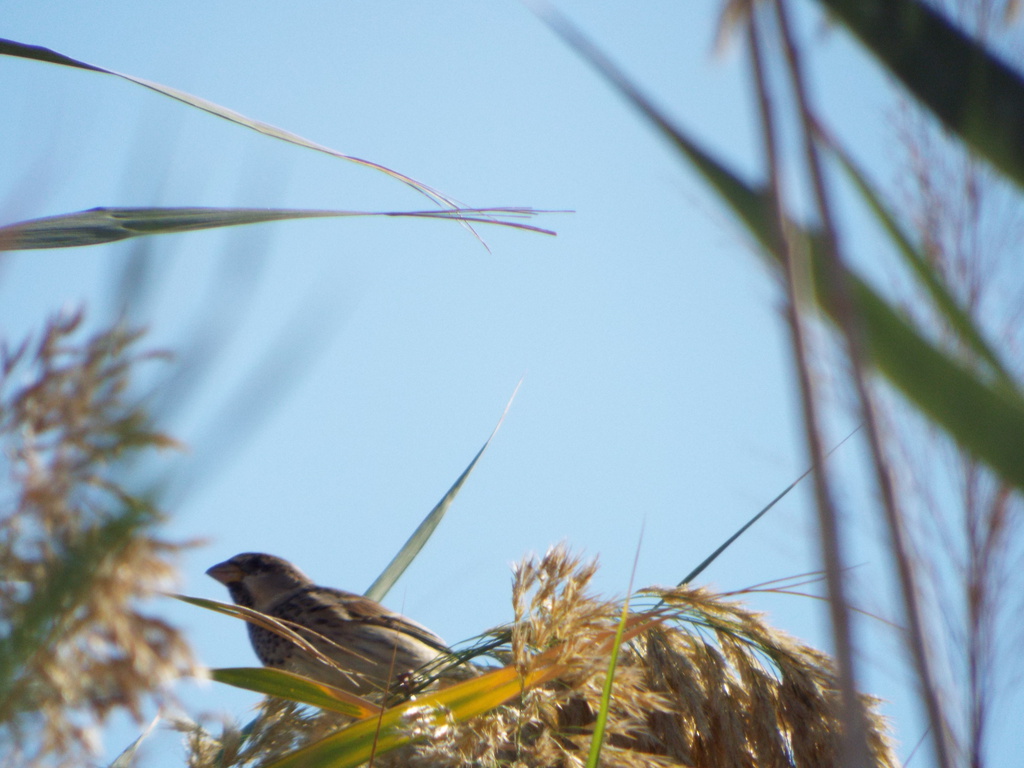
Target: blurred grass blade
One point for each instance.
(38, 53)
(107, 225)
(284, 359)
(943, 299)
(972, 92)
(749, 204)
(985, 419)
(287, 685)
(354, 745)
(423, 532)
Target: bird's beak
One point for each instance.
(225, 573)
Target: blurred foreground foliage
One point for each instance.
(80, 550)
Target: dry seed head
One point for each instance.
(710, 685)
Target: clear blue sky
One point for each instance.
(658, 391)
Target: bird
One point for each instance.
(375, 649)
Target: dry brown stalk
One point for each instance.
(964, 523)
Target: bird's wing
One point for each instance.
(316, 601)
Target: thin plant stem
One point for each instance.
(855, 750)
(851, 332)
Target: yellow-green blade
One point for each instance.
(287, 685)
(354, 745)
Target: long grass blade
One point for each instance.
(986, 419)
(39, 53)
(107, 225)
(394, 570)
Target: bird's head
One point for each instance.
(256, 580)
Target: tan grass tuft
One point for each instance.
(712, 685)
(709, 685)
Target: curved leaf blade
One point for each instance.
(985, 418)
(39, 53)
(97, 226)
(269, 623)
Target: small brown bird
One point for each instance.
(374, 647)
